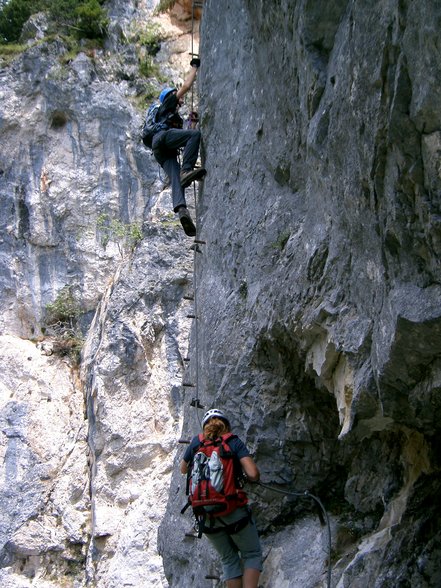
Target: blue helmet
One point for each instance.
(165, 92)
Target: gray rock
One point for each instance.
(35, 28)
(318, 291)
(317, 294)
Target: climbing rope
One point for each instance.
(307, 494)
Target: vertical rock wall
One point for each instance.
(87, 450)
(317, 297)
(319, 287)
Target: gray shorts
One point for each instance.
(243, 545)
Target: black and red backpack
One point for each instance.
(214, 479)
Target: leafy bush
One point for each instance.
(86, 17)
(13, 16)
(125, 235)
(150, 37)
(61, 320)
(64, 309)
(91, 19)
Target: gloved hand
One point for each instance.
(195, 62)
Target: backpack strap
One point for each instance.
(238, 472)
(200, 525)
(190, 463)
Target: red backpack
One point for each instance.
(214, 478)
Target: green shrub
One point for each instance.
(61, 323)
(13, 16)
(125, 235)
(92, 19)
(85, 17)
(150, 37)
(64, 309)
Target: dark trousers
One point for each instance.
(165, 147)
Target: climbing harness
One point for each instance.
(323, 515)
(229, 529)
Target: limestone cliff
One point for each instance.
(317, 295)
(319, 287)
(91, 256)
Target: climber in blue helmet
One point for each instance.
(169, 138)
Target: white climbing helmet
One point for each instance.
(212, 413)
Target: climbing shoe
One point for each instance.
(189, 176)
(186, 222)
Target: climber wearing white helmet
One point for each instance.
(215, 462)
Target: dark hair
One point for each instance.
(215, 428)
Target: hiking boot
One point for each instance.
(189, 176)
(186, 222)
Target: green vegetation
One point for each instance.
(150, 37)
(75, 46)
(8, 52)
(148, 68)
(64, 309)
(91, 19)
(282, 240)
(84, 18)
(125, 235)
(12, 18)
(148, 42)
(61, 320)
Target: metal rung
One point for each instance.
(191, 316)
(188, 385)
(195, 403)
(195, 248)
(192, 535)
(184, 441)
(186, 359)
(201, 242)
(188, 297)
(212, 577)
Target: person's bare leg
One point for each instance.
(251, 578)
(235, 582)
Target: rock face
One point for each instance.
(87, 450)
(44, 494)
(319, 286)
(317, 296)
